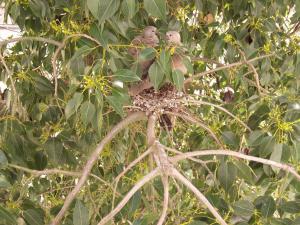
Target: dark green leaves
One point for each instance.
(129, 8)
(3, 160)
(266, 205)
(34, 216)
(290, 206)
(73, 104)
(87, 112)
(104, 9)
(80, 214)
(178, 79)
(126, 75)
(147, 54)
(156, 75)
(227, 174)
(243, 208)
(6, 217)
(156, 8)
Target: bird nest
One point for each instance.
(163, 100)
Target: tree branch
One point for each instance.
(199, 102)
(198, 194)
(40, 39)
(166, 200)
(190, 79)
(282, 166)
(136, 187)
(93, 158)
(193, 120)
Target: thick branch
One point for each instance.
(136, 187)
(93, 158)
(199, 195)
(285, 167)
(166, 200)
(189, 80)
(198, 102)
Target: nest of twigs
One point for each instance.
(151, 101)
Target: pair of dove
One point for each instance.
(149, 38)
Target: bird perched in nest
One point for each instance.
(148, 38)
(173, 39)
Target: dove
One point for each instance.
(173, 39)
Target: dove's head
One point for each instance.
(173, 37)
(149, 31)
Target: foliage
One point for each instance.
(42, 129)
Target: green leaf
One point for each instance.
(230, 139)
(266, 205)
(147, 54)
(227, 174)
(42, 85)
(126, 75)
(34, 216)
(4, 183)
(54, 149)
(244, 171)
(178, 79)
(129, 8)
(196, 222)
(104, 9)
(6, 217)
(116, 103)
(87, 112)
(156, 8)
(73, 104)
(80, 214)
(3, 160)
(165, 62)
(290, 207)
(276, 156)
(243, 208)
(156, 75)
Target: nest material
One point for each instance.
(151, 101)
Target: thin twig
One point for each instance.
(212, 61)
(38, 173)
(92, 159)
(190, 79)
(199, 102)
(282, 166)
(40, 39)
(166, 200)
(255, 74)
(198, 194)
(128, 196)
(194, 120)
(132, 164)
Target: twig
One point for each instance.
(38, 173)
(285, 167)
(190, 79)
(93, 158)
(199, 102)
(212, 61)
(40, 39)
(256, 76)
(132, 164)
(199, 195)
(191, 119)
(135, 188)
(166, 200)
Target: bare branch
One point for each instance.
(136, 187)
(151, 130)
(190, 79)
(199, 102)
(194, 120)
(40, 39)
(212, 61)
(93, 158)
(132, 164)
(38, 173)
(166, 200)
(198, 194)
(282, 166)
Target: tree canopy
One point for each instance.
(77, 148)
